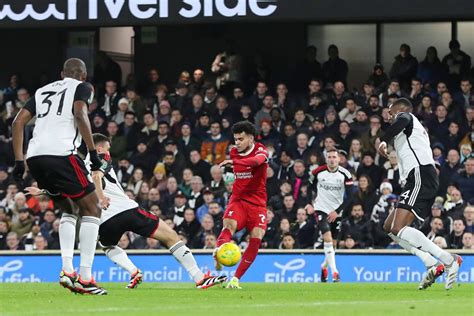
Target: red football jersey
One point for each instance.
(250, 182)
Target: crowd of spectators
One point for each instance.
(167, 140)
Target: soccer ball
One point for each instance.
(228, 254)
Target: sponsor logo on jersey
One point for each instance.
(243, 175)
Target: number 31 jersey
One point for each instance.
(56, 132)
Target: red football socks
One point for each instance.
(249, 256)
(224, 237)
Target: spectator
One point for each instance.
(199, 167)
(455, 111)
(437, 228)
(135, 103)
(379, 77)
(299, 177)
(356, 227)
(177, 210)
(150, 130)
(392, 90)
(345, 136)
(303, 229)
(144, 159)
(405, 67)
(355, 154)
(13, 243)
(302, 122)
(173, 167)
(214, 148)
(122, 109)
(454, 136)
(465, 97)
(118, 148)
(3, 235)
(187, 142)
(282, 230)
(124, 173)
(256, 100)
(302, 150)
(160, 95)
(368, 138)
(338, 95)
(467, 241)
(264, 112)
(190, 225)
(348, 113)
(417, 93)
(392, 174)
(424, 112)
(152, 80)
(365, 193)
(208, 197)
(455, 207)
(448, 170)
(360, 125)
(465, 178)
(368, 167)
(136, 181)
(178, 100)
(210, 241)
(455, 238)
(130, 129)
(431, 70)
(197, 84)
(465, 153)
(288, 241)
(195, 197)
(310, 67)
(217, 184)
(335, 68)
(284, 102)
(109, 101)
(363, 98)
(289, 208)
(207, 227)
(185, 184)
(469, 218)
(439, 126)
(457, 63)
(40, 243)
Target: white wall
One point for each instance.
(356, 43)
(116, 39)
(419, 36)
(466, 37)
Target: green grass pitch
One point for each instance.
(254, 299)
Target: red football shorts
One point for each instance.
(247, 215)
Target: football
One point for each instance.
(228, 254)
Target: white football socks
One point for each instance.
(330, 256)
(184, 256)
(119, 257)
(88, 234)
(418, 240)
(427, 259)
(67, 236)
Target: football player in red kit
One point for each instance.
(247, 205)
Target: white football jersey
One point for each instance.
(119, 201)
(412, 146)
(330, 188)
(56, 132)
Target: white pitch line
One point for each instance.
(247, 305)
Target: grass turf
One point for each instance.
(255, 299)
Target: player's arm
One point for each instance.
(82, 99)
(18, 127)
(312, 190)
(402, 120)
(342, 209)
(97, 179)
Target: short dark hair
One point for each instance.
(244, 127)
(332, 150)
(403, 102)
(100, 138)
(148, 112)
(169, 153)
(129, 113)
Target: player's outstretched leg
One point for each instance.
(248, 257)
(120, 257)
(183, 254)
(228, 230)
(88, 234)
(417, 239)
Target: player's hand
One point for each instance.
(226, 162)
(104, 202)
(33, 191)
(19, 170)
(96, 163)
(332, 216)
(310, 209)
(381, 148)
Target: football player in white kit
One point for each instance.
(61, 124)
(417, 170)
(121, 214)
(331, 183)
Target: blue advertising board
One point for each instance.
(266, 268)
